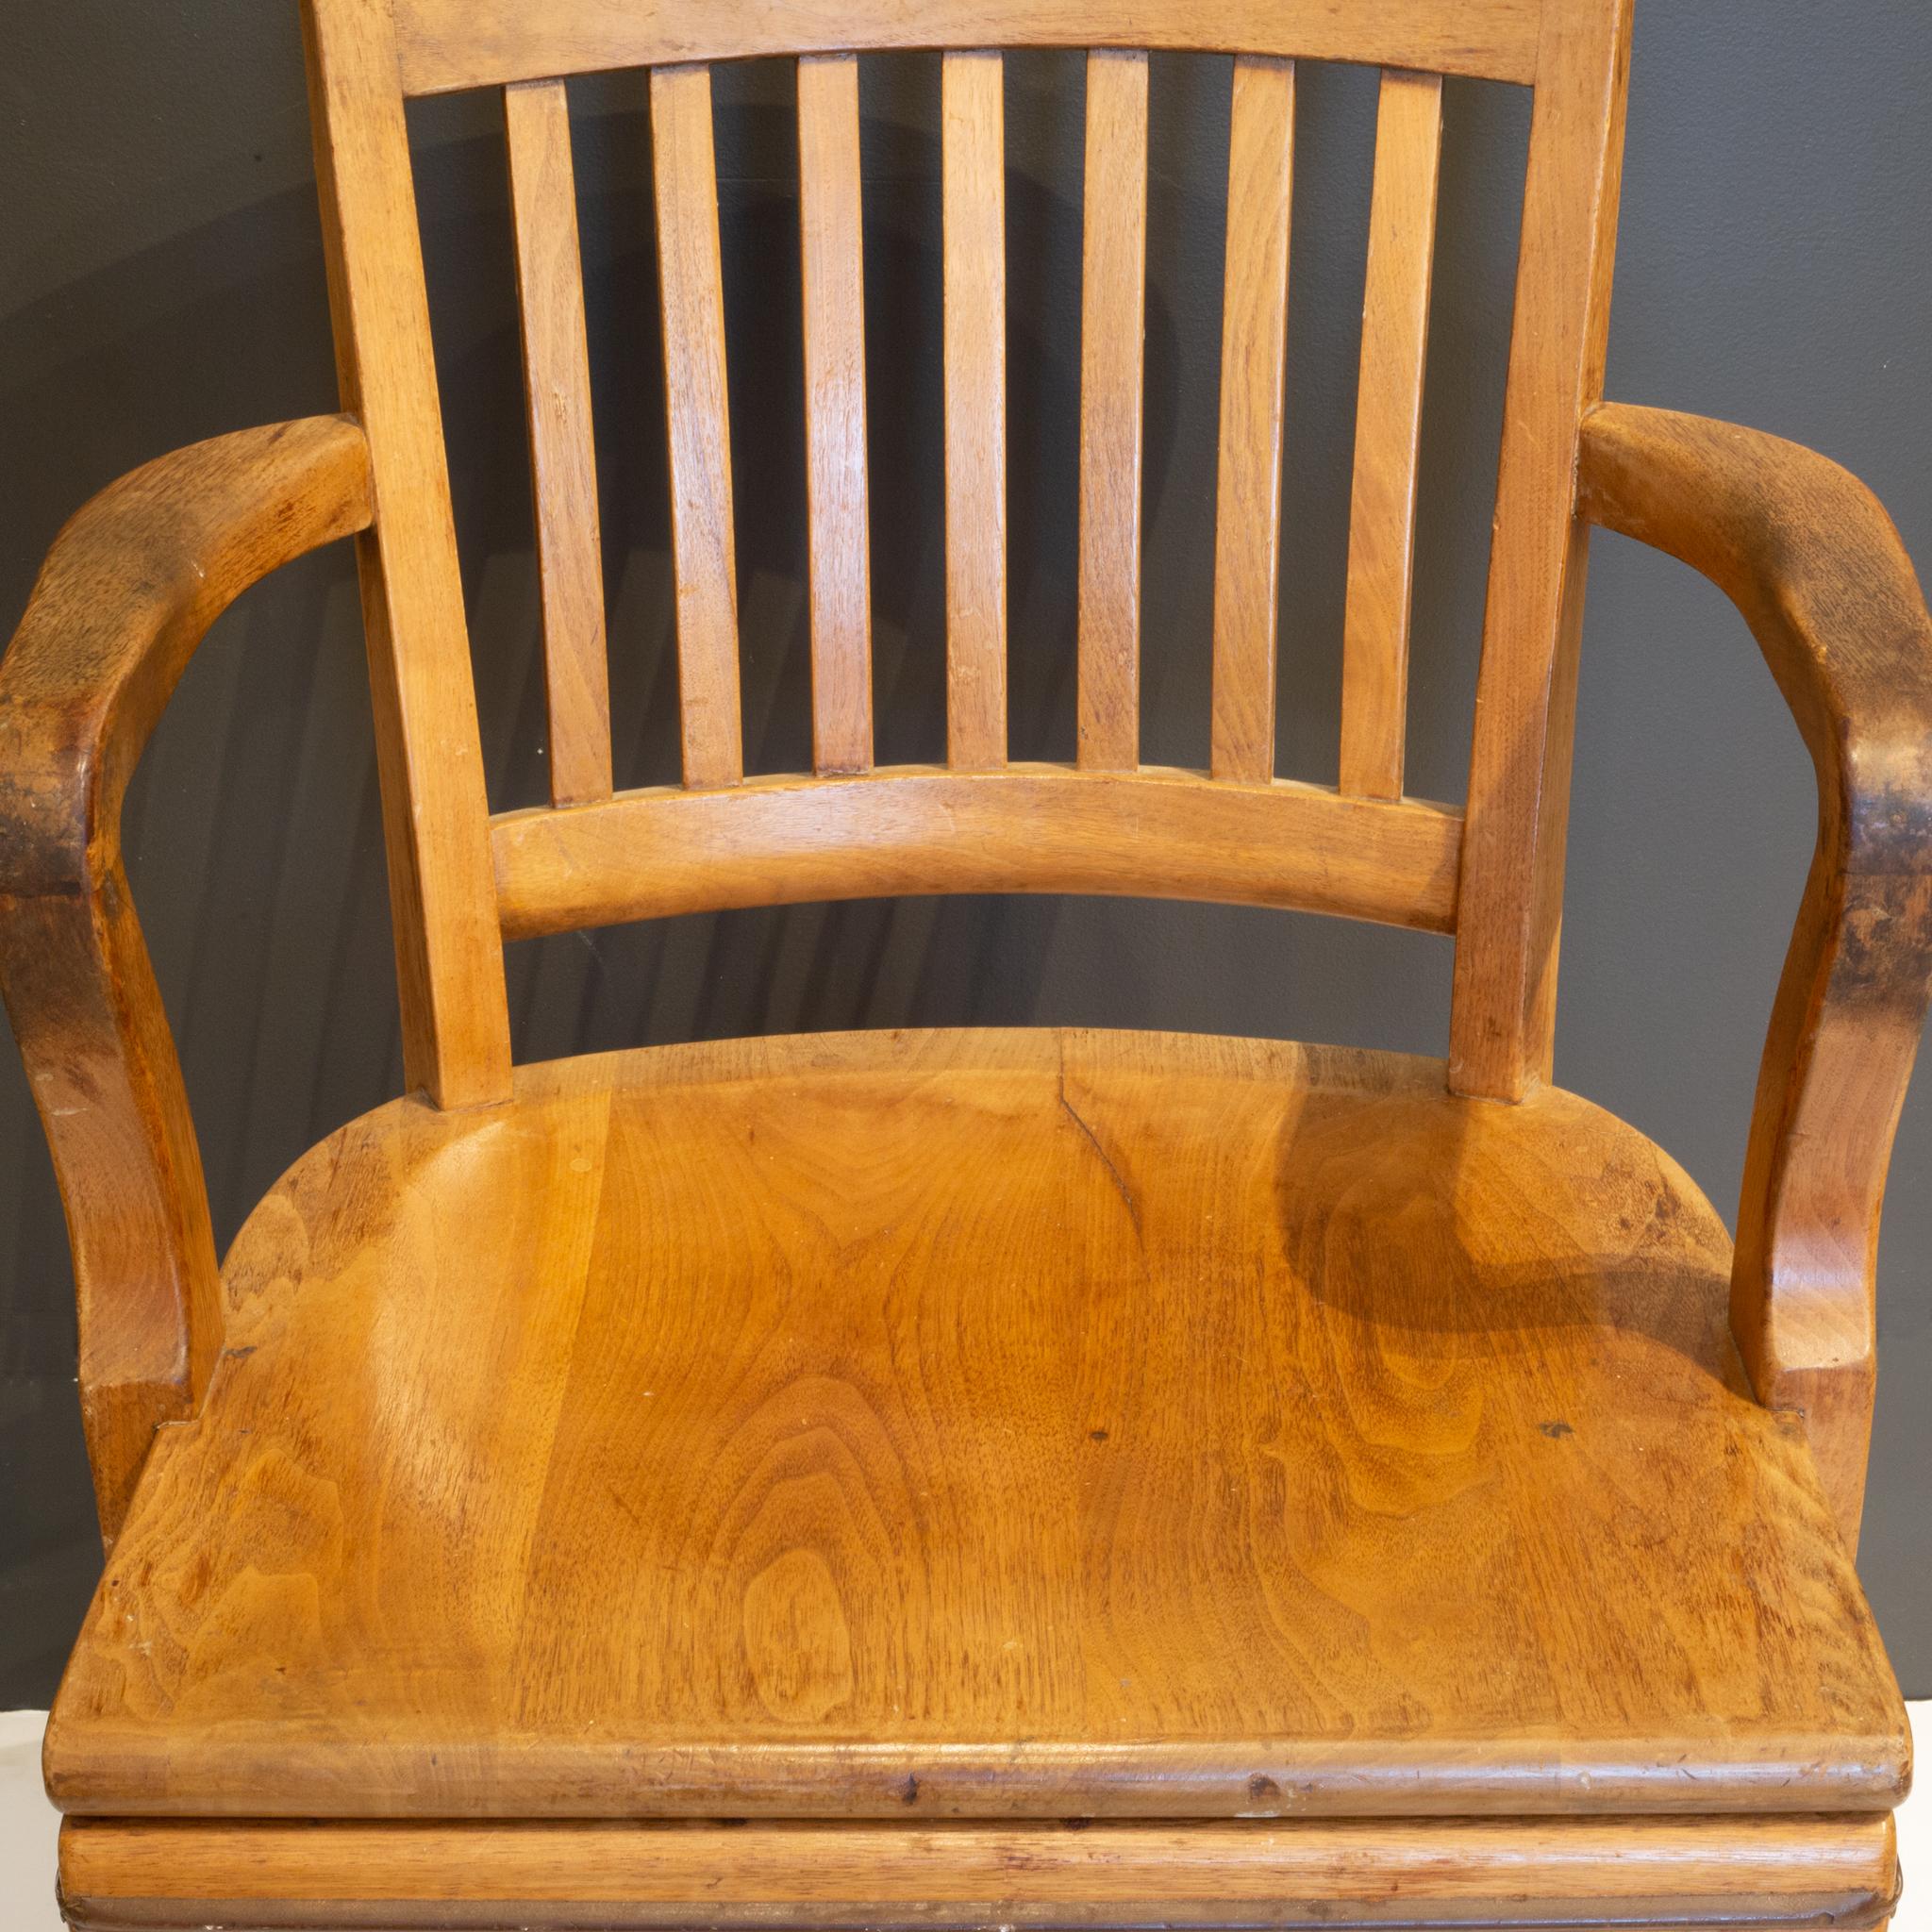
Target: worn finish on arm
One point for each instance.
(1810, 558)
(131, 586)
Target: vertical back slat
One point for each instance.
(1114, 306)
(1510, 899)
(563, 465)
(703, 545)
(1388, 436)
(442, 889)
(831, 246)
(1254, 352)
(974, 196)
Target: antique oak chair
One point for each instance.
(803, 1481)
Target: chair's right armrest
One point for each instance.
(126, 593)
(1815, 566)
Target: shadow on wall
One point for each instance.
(254, 835)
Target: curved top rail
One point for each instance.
(445, 45)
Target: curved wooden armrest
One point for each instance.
(126, 593)
(1807, 554)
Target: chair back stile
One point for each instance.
(429, 754)
(462, 883)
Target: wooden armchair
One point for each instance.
(801, 1481)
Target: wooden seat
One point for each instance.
(935, 1425)
(793, 1483)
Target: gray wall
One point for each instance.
(160, 281)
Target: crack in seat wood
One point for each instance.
(981, 1478)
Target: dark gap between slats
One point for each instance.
(1187, 231)
(755, 113)
(899, 160)
(1047, 132)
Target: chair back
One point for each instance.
(463, 883)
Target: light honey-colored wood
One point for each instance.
(1388, 436)
(992, 1425)
(1029, 829)
(449, 44)
(1113, 326)
(449, 964)
(123, 600)
(1253, 373)
(563, 465)
(1501, 1027)
(1838, 1871)
(703, 545)
(832, 250)
(1373, 1504)
(974, 167)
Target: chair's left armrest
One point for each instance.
(1814, 564)
(130, 586)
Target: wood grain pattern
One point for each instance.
(449, 44)
(832, 248)
(1818, 573)
(1029, 829)
(703, 541)
(563, 460)
(1839, 1871)
(1113, 326)
(1254, 352)
(993, 1425)
(125, 595)
(974, 195)
(1388, 435)
(789, 1482)
(1502, 1019)
(449, 963)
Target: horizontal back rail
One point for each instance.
(449, 44)
(1155, 833)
